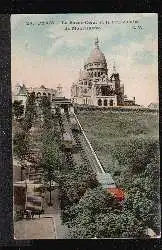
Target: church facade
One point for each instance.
(95, 86)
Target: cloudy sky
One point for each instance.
(46, 53)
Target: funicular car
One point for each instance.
(74, 124)
(107, 182)
(67, 142)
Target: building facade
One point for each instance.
(95, 86)
(21, 93)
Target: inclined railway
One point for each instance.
(75, 148)
(75, 142)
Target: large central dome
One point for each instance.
(96, 55)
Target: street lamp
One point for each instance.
(50, 201)
(22, 168)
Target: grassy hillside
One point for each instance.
(121, 138)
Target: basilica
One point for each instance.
(95, 86)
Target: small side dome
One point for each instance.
(83, 75)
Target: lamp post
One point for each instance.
(50, 202)
(22, 168)
(50, 189)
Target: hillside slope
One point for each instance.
(113, 134)
(127, 144)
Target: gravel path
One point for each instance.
(48, 226)
(42, 228)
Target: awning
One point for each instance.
(117, 193)
(33, 202)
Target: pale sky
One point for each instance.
(50, 55)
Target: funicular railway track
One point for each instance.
(81, 151)
(83, 148)
(80, 147)
(67, 156)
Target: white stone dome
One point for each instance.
(96, 56)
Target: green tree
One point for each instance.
(50, 156)
(46, 109)
(18, 109)
(93, 202)
(30, 112)
(75, 183)
(99, 215)
(118, 225)
(143, 196)
(136, 153)
(21, 145)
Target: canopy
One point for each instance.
(33, 202)
(32, 198)
(31, 187)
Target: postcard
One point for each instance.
(85, 126)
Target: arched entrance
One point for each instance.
(105, 102)
(111, 102)
(99, 102)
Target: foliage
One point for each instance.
(74, 184)
(18, 109)
(50, 156)
(99, 215)
(137, 153)
(46, 109)
(130, 139)
(143, 195)
(119, 134)
(118, 225)
(21, 144)
(30, 112)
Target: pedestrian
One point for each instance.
(32, 214)
(28, 214)
(39, 213)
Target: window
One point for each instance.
(99, 102)
(105, 102)
(111, 102)
(104, 91)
